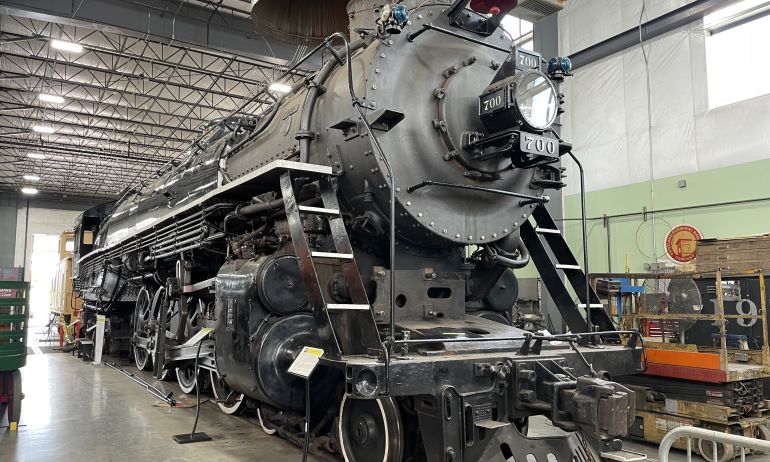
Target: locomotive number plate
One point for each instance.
(527, 59)
(536, 144)
(492, 102)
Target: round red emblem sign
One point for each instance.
(680, 243)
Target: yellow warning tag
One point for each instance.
(313, 351)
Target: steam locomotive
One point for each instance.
(375, 211)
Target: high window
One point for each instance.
(737, 44)
(520, 31)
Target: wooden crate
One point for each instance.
(653, 426)
(704, 412)
(736, 254)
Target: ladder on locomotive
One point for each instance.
(564, 260)
(348, 328)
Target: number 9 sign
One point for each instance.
(750, 311)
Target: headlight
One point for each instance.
(536, 100)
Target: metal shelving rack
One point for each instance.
(14, 321)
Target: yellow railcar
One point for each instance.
(64, 301)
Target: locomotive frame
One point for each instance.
(288, 247)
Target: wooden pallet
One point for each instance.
(703, 412)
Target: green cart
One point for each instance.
(14, 318)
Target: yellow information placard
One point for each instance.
(305, 362)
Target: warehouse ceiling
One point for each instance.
(91, 122)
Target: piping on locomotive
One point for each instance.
(339, 218)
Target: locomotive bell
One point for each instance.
(299, 22)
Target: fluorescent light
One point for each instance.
(733, 12)
(279, 88)
(43, 129)
(67, 46)
(31, 177)
(29, 191)
(50, 98)
(36, 155)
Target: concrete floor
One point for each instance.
(76, 411)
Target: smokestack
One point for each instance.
(299, 22)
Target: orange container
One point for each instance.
(684, 358)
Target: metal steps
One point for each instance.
(345, 328)
(555, 262)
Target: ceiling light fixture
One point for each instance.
(43, 129)
(29, 191)
(50, 98)
(279, 88)
(31, 177)
(67, 46)
(36, 155)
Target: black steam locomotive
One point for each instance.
(375, 211)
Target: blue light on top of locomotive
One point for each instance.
(560, 64)
(553, 64)
(400, 14)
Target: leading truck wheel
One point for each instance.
(725, 452)
(370, 430)
(228, 400)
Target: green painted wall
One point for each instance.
(632, 236)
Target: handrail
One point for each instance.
(717, 437)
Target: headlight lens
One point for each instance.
(535, 98)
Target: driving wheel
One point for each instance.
(186, 375)
(142, 319)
